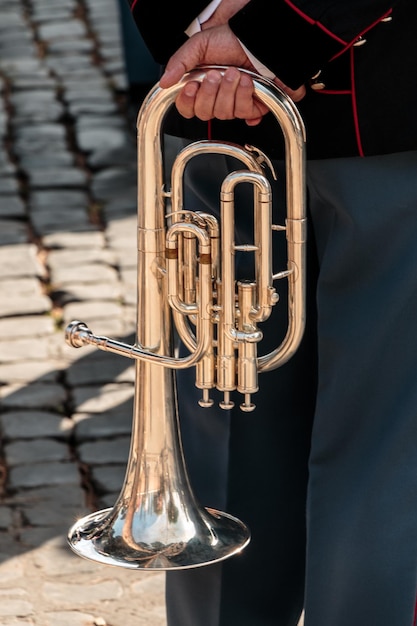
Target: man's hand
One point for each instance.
(223, 97)
(214, 46)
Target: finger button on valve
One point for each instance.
(226, 403)
(206, 402)
(247, 406)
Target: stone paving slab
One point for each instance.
(19, 260)
(19, 424)
(27, 348)
(104, 425)
(50, 586)
(42, 395)
(12, 232)
(99, 369)
(25, 326)
(26, 372)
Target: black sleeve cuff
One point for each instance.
(293, 47)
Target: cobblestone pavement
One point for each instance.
(67, 249)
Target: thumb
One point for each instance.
(185, 59)
(172, 75)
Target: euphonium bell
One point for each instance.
(186, 276)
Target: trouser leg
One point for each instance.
(264, 586)
(267, 464)
(362, 505)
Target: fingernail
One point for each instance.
(213, 77)
(190, 89)
(245, 80)
(231, 75)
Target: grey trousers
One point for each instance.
(324, 472)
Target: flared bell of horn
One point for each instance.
(156, 522)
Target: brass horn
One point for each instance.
(186, 277)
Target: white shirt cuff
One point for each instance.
(195, 25)
(260, 67)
